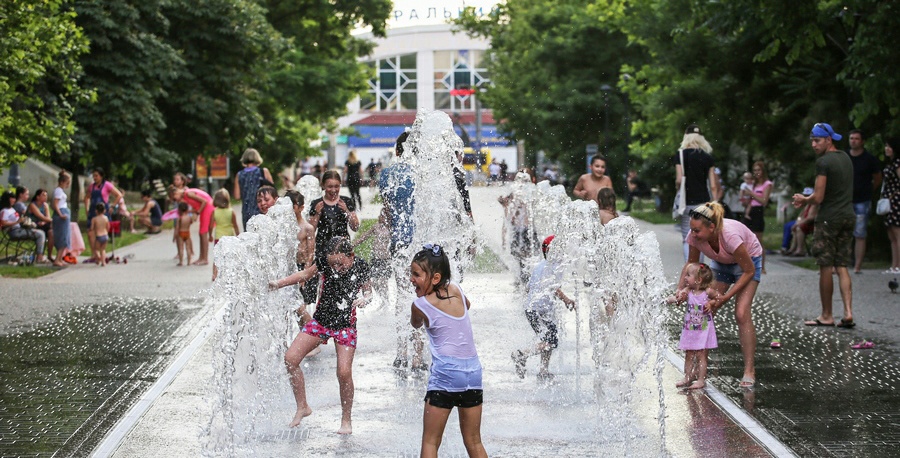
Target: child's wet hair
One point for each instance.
(606, 199)
(433, 260)
(705, 274)
(99, 208)
(146, 193)
(182, 207)
(263, 190)
(222, 199)
(339, 245)
(295, 196)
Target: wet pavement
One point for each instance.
(70, 368)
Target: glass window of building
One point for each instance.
(454, 70)
(394, 85)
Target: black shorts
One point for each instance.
(544, 328)
(451, 399)
(756, 223)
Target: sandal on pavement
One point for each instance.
(747, 382)
(846, 323)
(816, 322)
(776, 343)
(864, 345)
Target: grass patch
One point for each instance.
(364, 249)
(25, 271)
(487, 262)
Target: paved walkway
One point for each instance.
(817, 395)
(562, 418)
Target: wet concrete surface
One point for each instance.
(816, 394)
(66, 381)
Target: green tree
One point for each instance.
(548, 62)
(130, 66)
(40, 46)
(229, 50)
(317, 74)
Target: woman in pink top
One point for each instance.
(736, 260)
(202, 203)
(759, 198)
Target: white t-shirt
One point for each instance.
(58, 193)
(9, 215)
(545, 279)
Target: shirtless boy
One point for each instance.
(100, 228)
(591, 183)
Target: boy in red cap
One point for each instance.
(544, 285)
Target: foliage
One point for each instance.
(131, 66)
(546, 89)
(754, 74)
(40, 47)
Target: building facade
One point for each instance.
(422, 63)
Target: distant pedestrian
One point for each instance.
(100, 191)
(698, 334)
(892, 191)
(353, 173)
(833, 236)
(866, 179)
(332, 214)
(698, 173)
(456, 373)
(248, 181)
(759, 197)
(372, 170)
(504, 169)
(61, 219)
(636, 188)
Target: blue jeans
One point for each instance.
(729, 273)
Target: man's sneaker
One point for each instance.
(519, 358)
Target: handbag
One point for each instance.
(883, 206)
(681, 196)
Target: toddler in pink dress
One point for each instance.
(698, 334)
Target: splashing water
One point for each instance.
(618, 277)
(614, 271)
(439, 214)
(249, 372)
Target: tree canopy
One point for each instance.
(142, 87)
(754, 74)
(40, 47)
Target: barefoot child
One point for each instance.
(455, 379)
(699, 332)
(100, 228)
(543, 286)
(224, 221)
(183, 233)
(342, 276)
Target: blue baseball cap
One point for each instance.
(820, 129)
